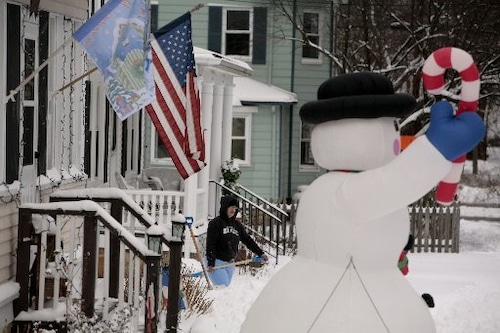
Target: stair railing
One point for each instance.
(266, 222)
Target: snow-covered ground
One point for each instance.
(465, 286)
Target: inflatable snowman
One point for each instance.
(352, 222)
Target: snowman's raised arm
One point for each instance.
(378, 192)
(419, 168)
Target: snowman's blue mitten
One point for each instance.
(454, 136)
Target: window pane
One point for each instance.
(28, 128)
(309, 51)
(306, 131)
(161, 150)
(238, 44)
(238, 127)
(238, 149)
(306, 157)
(29, 66)
(238, 20)
(311, 21)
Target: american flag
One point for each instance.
(176, 112)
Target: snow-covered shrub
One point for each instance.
(195, 290)
(120, 321)
(231, 172)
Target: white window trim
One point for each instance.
(319, 60)
(166, 161)
(224, 31)
(246, 113)
(305, 167)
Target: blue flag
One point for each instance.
(116, 38)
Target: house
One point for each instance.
(267, 137)
(59, 131)
(55, 133)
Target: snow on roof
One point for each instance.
(248, 91)
(205, 57)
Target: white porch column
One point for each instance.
(217, 125)
(207, 100)
(227, 120)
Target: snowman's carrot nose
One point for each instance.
(433, 78)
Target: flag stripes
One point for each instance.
(176, 115)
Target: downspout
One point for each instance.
(292, 87)
(332, 29)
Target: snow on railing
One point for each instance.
(147, 207)
(74, 260)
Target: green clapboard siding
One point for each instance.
(269, 173)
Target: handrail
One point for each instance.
(272, 238)
(107, 195)
(248, 201)
(86, 207)
(263, 200)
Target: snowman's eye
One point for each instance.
(396, 125)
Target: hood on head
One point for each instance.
(226, 202)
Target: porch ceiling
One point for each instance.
(248, 91)
(73, 8)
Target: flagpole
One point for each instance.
(10, 97)
(198, 6)
(73, 82)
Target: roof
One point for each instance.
(248, 91)
(71, 8)
(204, 57)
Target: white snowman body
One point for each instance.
(352, 224)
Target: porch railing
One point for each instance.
(138, 210)
(128, 218)
(73, 275)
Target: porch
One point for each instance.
(62, 245)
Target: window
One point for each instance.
(240, 140)
(306, 158)
(159, 153)
(237, 32)
(312, 29)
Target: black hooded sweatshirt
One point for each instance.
(224, 235)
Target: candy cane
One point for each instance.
(433, 79)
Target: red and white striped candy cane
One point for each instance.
(433, 79)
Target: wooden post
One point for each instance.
(456, 227)
(152, 279)
(23, 259)
(174, 286)
(114, 251)
(89, 265)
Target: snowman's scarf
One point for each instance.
(349, 265)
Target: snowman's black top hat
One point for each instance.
(356, 95)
